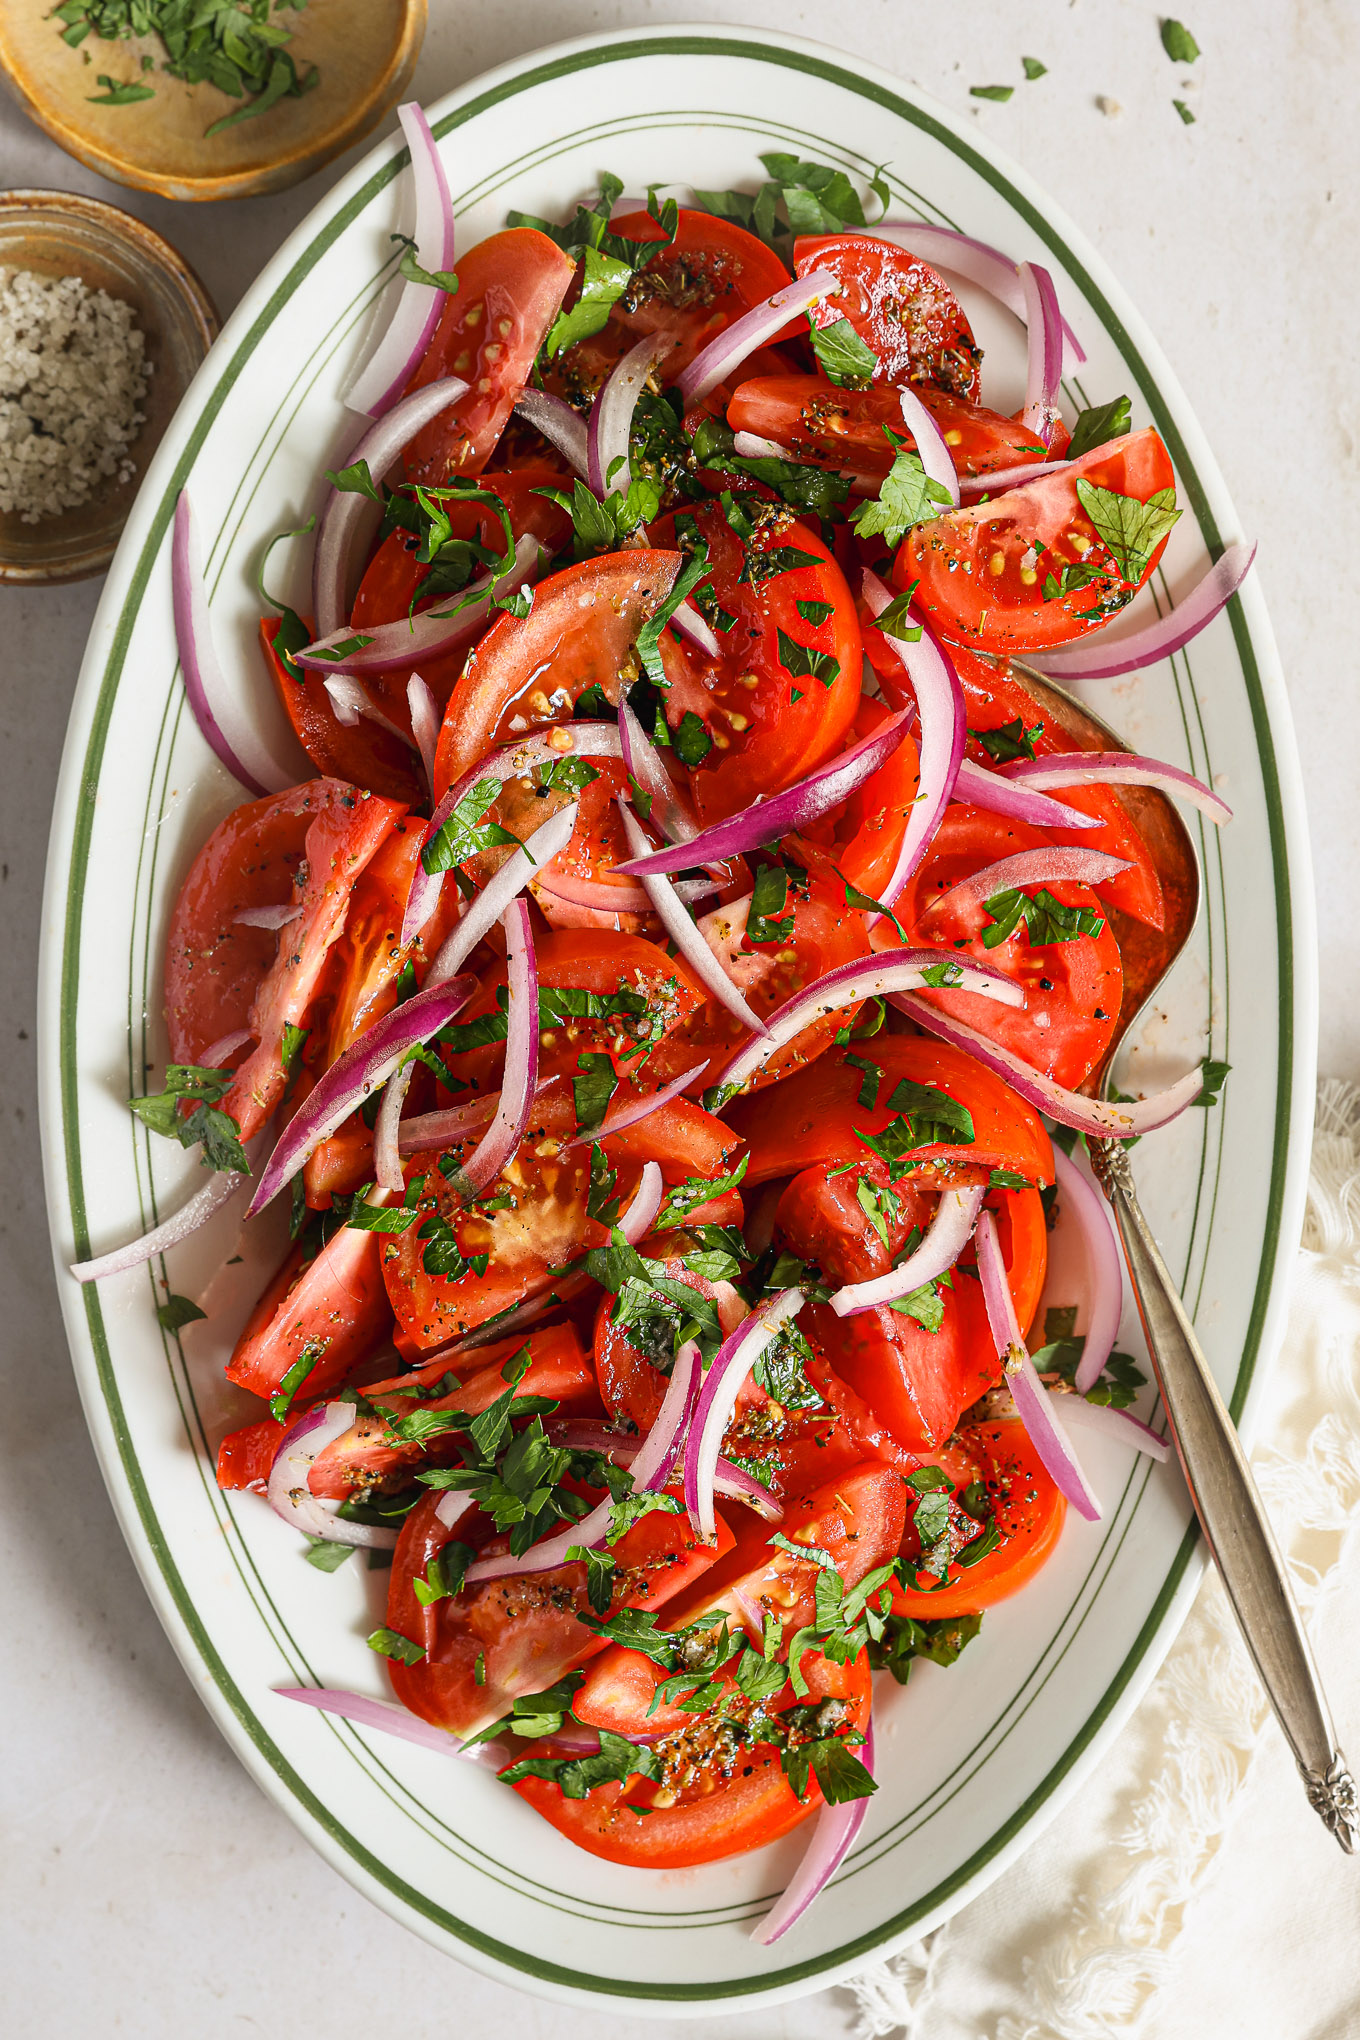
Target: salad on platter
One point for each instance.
(669, 1013)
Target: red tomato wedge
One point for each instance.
(361, 753)
(244, 1457)
(509, 289)
(820, 421)
(1027, 1509)
(335, 1308)
(906, 314)
(990, 575)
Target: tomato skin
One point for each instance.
(1028, 1509)
(524, 1626)
(900, 308)
(870, 831)
(244, 1457)
(502, 678)
(813, 1115)
(363, 753)
(755, 1806)
(509, 289)
(213, 966)
(337, 1305)
(970, 565)
(763, 739)
(829, 426)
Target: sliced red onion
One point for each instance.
(977, 262)
(750, 446)
(1000, 479)
(686, 619)
(288, 1493)
(943, 726)
(1044, 371)
(832, 1837)
(381, 1714)
(718, 1397)
(621, 1449)
(502, 887)
(984, 789)
(353, 1075)
(1121, 1425)
(349, 699)
(783, 813)
(1115, 768)
(614, 896)
(891, 971)
(431, 633)
(611, 419)
(560, 425)
(401, 348)
(520, 1081)
(1051, 863)
(1101, 658)
(1036, 1408)
(669, 810)
(716, 361)
(584, 739)
(676, 920)
(272, 918)
(946, 1237)
(1069, 1108)
(1082, 1203)
(218, 1191)
(452, 1506)
(221, 719)
(444, 1129)
(660, 1449)
(633, 1109)
(425, 720)
(636, 1222)
(345, 512)
(740, 1486)
(214, 1056)
(932, 448)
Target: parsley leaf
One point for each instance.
(1187, 116)
(806, 664)
(464, 834)
(1097, 424)
(843, 356)
(118, 94)
(1215, 1076)
(769, 893)
(905, 1638)
(1001, 93)
(390, 1643)
(178, 1311)
(837, 1770)
(217, 1130)
(1034, 69)
(1131, 530)
(907, 496)
(1010, 740)
(593, 1089)
(1046, 919)
(1178, 42)
(618, 1759)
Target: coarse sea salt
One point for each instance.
(73, 372)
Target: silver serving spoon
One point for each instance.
(1217, 1474)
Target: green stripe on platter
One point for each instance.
(310, 1806)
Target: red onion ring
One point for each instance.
(669, 811)
(217, 1192)
(717, 1399)
(932, 448)
(381, 1714)
(520, 1081)
(1103, 659)
(610, 896)
(1050, 863)
(783, 813)
(750, 446)
(215, 1055)
(1035, 1407)
(432, 632)
(689, 940)
(715, 362)
(584, 739)
(1079, 1200)
(977, 262)
(425, 721)
(287, 1491)
(353, 1075)
(609, 432)
(345, 510)
(946, 1237)
(272, 918)
(559, 424)
(981, 788)
(832, 1838)
(1115, 768)
(349, 700)
(1000, 479)
(1069, 1108)
(686, 619)
(887, 973)
(402, 345)
(943, 727)
(633, 1109)
(1121, 1425)
(221, 720)
(1044, 370)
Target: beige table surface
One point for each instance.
(145, 1885)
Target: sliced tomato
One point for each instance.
(906, 314)
(510, 287)
(994, 698)
(829, 426)
(869, 831)
(368, 1454)
(519, 1634)
(1073, 989)
(813, 1116)
(362, 753)
(335, 1311)
(1028, 1510)
(715, 1798)
(981, 572)
(783, 691)
(711, 274)
(344, 834)
(214, 966)
(530, 671)
(245, 1457)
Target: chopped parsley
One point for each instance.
(843, 356)
(1098, 424)
(1045, 919)
(907, 496)
(1178, 42)
(205, 1122)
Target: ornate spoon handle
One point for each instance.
(1230, 1510)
